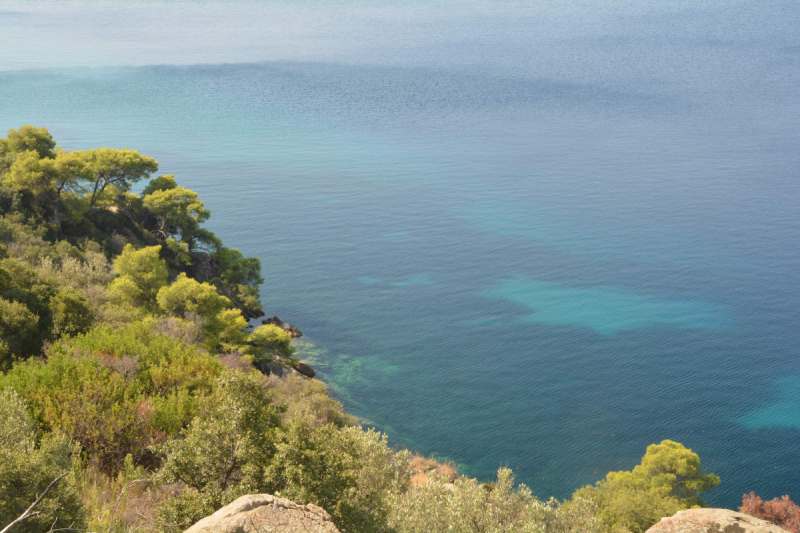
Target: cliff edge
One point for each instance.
(713, 521)
(263, 513)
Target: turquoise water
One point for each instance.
(542, 234)
(606, 310)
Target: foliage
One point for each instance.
(239, 279)
(140, 275)
(307, 402)
(72, 313)
(222, 328)
(18, 327)
(186, 295)
(27, 468)
(224, 451)
(466, 506)
(269, 340)
(668, 479)
(780, 511)
(115, 392)
(349, 472)
(161, 183)
(51, 197)
(27, 138)
(119, 169)
(178, 211)
(56, 181)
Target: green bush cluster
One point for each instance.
(116, 392)
(467, 506)
(69, 221)
(29, 462)
(669, 479)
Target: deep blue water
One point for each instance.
(539, 234)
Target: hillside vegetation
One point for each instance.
(127, 362)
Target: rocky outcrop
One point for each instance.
(263, 513)
(288, 328)
(713, 521)
(305, 369)
(271, 368)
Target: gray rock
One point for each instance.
(713, 521)
(263, 513)
(275, 369)
(305, 369)
(274, 320)
(271, 368)
(292, 331)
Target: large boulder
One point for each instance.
(271, 368)
(713, 521)
(263, 513)
(305, 369)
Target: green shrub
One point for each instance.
(307, 402)
(27, 469)
(668, 480)
(467, 506)
(141, 273)
(115, 392)
(223, 453)
(349, 472)
(72, 314)
(269, 341)
(18, 332)
(239, 279)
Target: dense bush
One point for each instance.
(780, 511)
(223, 453)
(140, 275)
(306, 402)
(467, 506)
(269, 341)
(668, 479)
(27, 468)
(18, 331)
(115, 392)
(349, 472)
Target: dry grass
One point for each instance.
(188, 330)
(125, 504)
(422, 467)
(236, 361)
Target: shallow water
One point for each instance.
(542, 234)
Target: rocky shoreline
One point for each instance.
(275, 368)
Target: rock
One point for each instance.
(292, 331)
(305, 369)
(274, 320)
(277, 369)
(203, 267)
(263, 513)
(271, 368)
(713, 521)
(288, 328)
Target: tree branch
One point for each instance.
(28, 514)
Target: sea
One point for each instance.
(538, 234)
